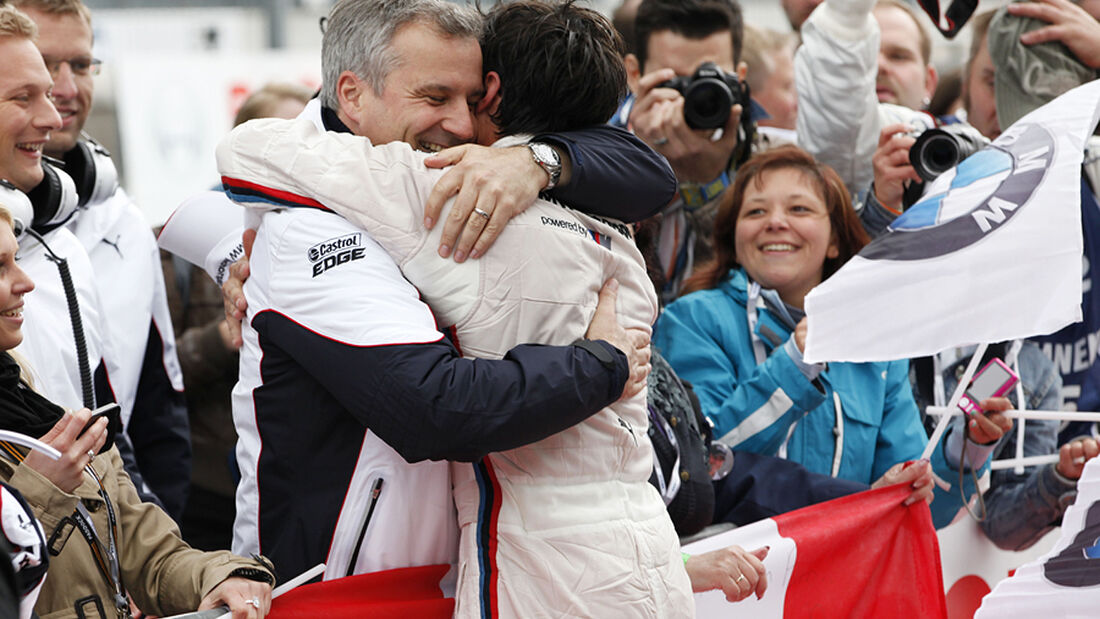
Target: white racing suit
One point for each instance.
(569, 525)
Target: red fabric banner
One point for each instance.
(864, 555)
(393, 594)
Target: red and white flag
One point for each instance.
(863, 555)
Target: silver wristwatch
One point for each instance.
(547, 158)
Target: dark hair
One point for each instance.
(847, 231)
(560, 66)
(948, 91)
(694, 19)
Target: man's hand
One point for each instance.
(917, 474)
(634, 343)
(658, 119)
(734, 570)
(1074, 454)
(1069, 24)
(499, 182)
(67, 473)
(233, 293)
(990, 426)
(891, 165)
(246, 599)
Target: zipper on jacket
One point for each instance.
(375, 493)
(629, 429)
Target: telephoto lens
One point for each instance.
(938, 150)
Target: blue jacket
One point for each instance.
(705, 337)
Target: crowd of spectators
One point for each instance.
(528, 293)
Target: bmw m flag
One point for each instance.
(992, 251)
(1065, 582)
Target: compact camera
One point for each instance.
(708, 96)
(938, 150)
(993, 380)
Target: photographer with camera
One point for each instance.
(689, 104)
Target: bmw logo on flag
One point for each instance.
(967, 204)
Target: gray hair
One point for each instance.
(358, 34)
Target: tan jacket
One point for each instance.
(163, 574)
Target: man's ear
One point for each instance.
(491, 99)
(352, 95)
(633, 72)
(931, 80)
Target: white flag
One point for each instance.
(1066, 581)
(991, 253)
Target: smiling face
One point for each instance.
(26, 114)
(428, 97)
(65, 41)
(783, 234)
(14, 283)
(903, 76)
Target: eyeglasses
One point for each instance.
(79, 66)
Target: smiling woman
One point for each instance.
(786, 225)
(130, 548)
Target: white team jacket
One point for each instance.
(124, 257)
(566, 515)
(48, 340)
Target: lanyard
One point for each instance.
(106, 557)
(668, 489)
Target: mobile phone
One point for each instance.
(993, 380)
(110, 411)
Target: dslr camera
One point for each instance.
(938, 150)
(708, 96)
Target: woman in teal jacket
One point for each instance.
(784, 226)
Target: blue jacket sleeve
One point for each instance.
(427, 402)
(761, 486)
(902, 437)
(873, 215)
(751, 406)
(1022, 508)
(614, 174)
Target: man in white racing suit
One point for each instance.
(568, 525)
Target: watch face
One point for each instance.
(545, 154)
(548, 159)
